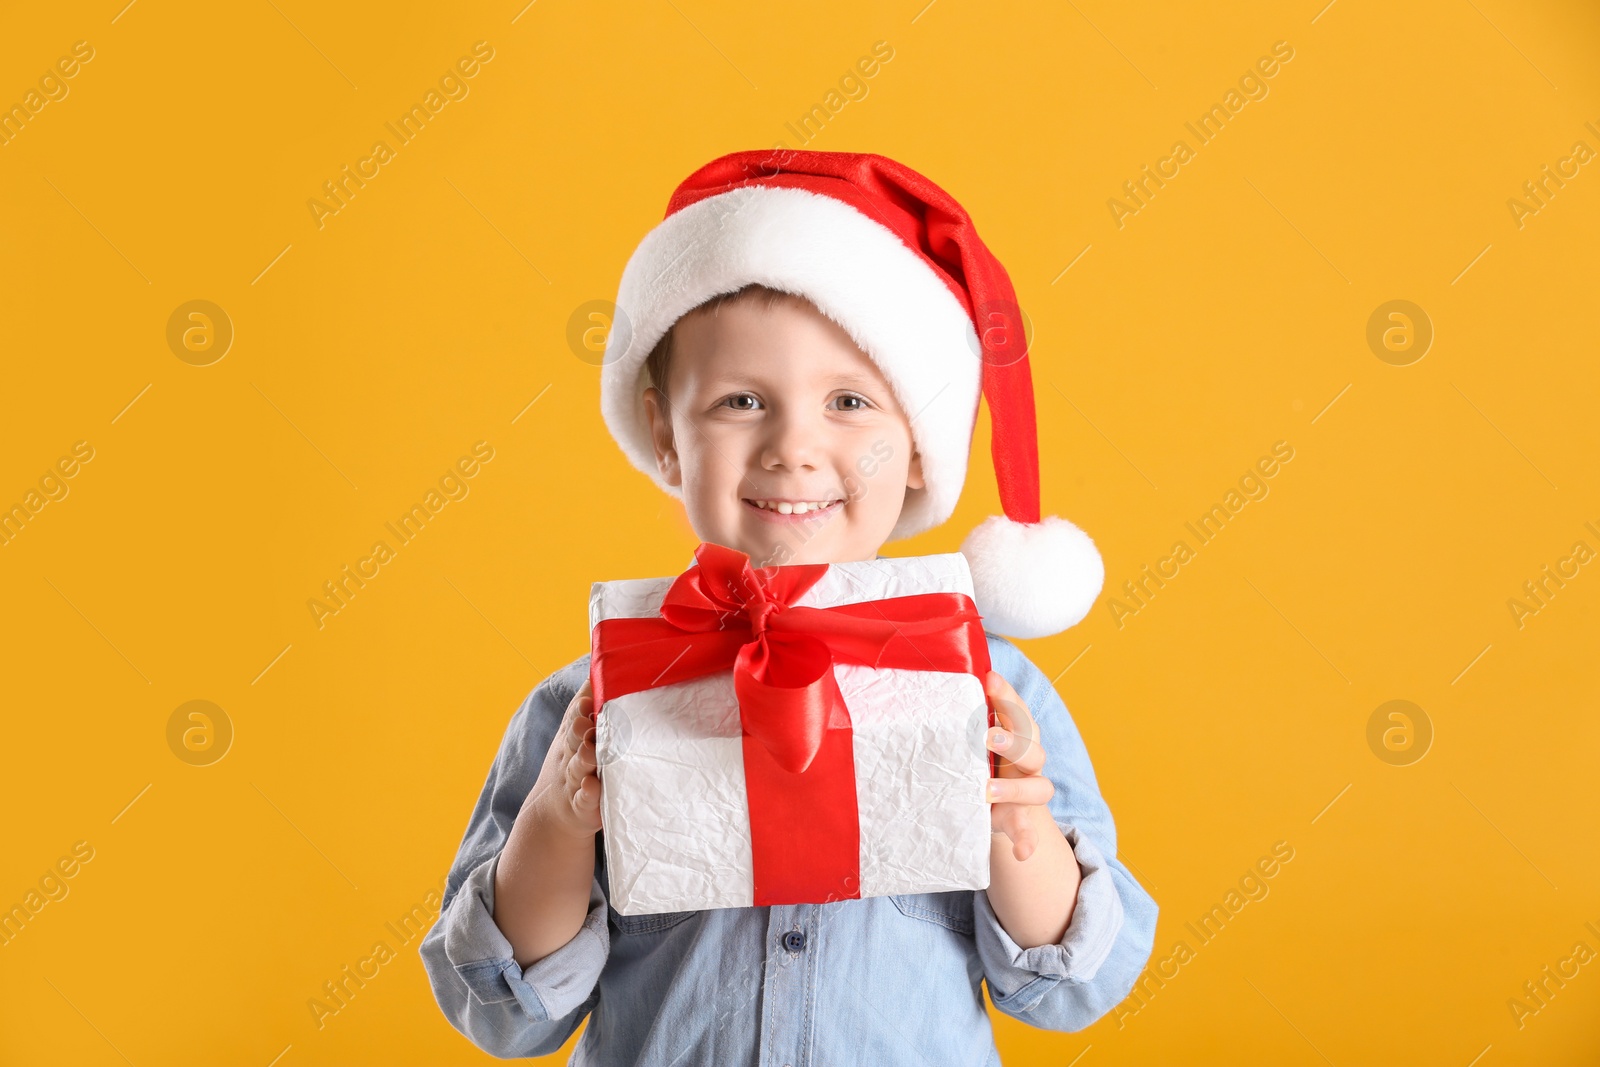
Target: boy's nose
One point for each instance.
(791, 446)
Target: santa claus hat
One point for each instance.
(896, 262)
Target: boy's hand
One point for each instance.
(1021, 792)
(567, 792)
(542, 880)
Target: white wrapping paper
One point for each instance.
(676, 825)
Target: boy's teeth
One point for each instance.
(784, 507)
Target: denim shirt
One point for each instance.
(884, 980)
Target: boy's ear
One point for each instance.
(914, 478)
(659, 413)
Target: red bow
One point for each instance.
(799, 764)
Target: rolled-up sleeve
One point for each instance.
(1069, 984)
(503, 1008)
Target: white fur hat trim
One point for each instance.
(856, 271)
(1032, 579)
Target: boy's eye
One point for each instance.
(850, 402)
(742, 402)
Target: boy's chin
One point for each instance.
(764, 553)
(777, 552)
(818, 550)
(831, 540)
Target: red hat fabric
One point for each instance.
(938, 229)
(897, 262)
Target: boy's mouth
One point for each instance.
(791, 510)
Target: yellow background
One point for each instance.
(1228, 314)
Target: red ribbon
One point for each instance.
(798, 751)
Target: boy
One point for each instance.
(809, 335)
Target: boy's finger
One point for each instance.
(569, 737)
(586, 798)
(1010, 820)
(582, 700)
(995, 684)
(1006, 819)
(1014, 716)
(1034, 789)
(577, 769)
(1019, 754)
(1008, 706)
(1023, 844)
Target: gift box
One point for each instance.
(788, 735)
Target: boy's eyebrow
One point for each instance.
(739, 379)
(857, 381)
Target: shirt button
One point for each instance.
(794, 941)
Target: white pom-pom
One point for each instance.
(1032, 579)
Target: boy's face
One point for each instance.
(785, 438)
